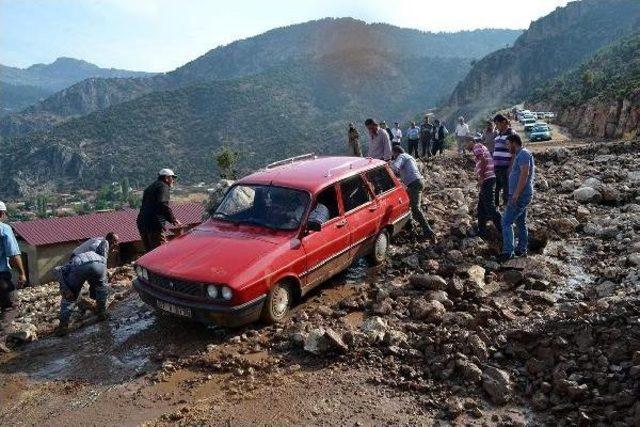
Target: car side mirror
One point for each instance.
(314, 226)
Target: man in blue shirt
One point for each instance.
(521, 181)
(9, 257)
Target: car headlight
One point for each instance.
(227, 293)
(138, 271)
(145, 274)
(212, 291)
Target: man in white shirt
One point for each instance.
(397, 134)
(99, 245)
(462, 132)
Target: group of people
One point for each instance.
(503, 167)
(88, 262)
(430, 137)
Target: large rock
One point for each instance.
(497, 384)
(374, 327)
(430, 282)
(316, 342)
(476, 275)
(587, 195)
(428, 311)
(469, 370)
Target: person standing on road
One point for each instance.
(87, 264)
(405, 166)
(486, 184)
(397, 134)
(155, 211)
(383, 125)
(462, 132)
(440, 132)
(426, 137)
(502, 158)
(10, 257)
(521, 180)
(489, 136)
(354, 141)
(413, 139)
(379, 142)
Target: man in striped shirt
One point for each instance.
(486, 184)
(502, 158)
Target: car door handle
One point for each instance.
(341, 223)
(373, 208)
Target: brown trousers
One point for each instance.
(152, 239)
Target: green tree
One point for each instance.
(226, 160)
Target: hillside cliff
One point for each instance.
(551, 46)
(601, 98)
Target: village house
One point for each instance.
(47, 243)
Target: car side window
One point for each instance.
(329, 198)
(354, 193)
(381, 180)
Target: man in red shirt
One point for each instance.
(486, 184)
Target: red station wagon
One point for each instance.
(276, 235)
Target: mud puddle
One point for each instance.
(131, 343)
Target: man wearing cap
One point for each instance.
(155, 211)
(9, 257)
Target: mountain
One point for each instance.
(299, 107)
(257, 54)
(551, 46)
(22, 87)
(600, 98)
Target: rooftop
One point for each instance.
(311, 174)
(50, 231)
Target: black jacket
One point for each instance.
(155, 211)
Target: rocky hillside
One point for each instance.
(551, 46)
(24, 87)
(288, 110)
(257, 54)
(601, 98)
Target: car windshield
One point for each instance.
(264, 205)
(542, 128)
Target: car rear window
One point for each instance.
(381, 180)
(354, 193)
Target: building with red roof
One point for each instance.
(47, 243)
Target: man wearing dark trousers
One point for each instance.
(426, 136)
(10, 257)
(486, 184)
(413, 139)
(155, 211)
(502, 158)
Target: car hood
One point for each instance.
(213, 254)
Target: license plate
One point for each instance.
(174, 309)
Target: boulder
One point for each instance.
(497, 384)
(430, 282)
(316, 342)
(469, 370)
(476, 275)
(428, 311)
(587, 195)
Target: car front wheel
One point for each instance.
(380, 247)
(279, 300)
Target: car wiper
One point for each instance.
(225, 217)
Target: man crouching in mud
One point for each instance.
(87, 264)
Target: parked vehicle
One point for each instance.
(262, 249)
(540, 115)
(549, 115)
(540, 132)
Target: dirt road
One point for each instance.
(439, 334)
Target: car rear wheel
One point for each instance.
(279, 300)
(380, 247)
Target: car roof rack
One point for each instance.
(291, 160)
(345, 165)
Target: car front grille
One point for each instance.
(177, 286)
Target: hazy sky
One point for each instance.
(160, 35)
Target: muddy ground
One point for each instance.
(439, 334)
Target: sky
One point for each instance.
(161, 35)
